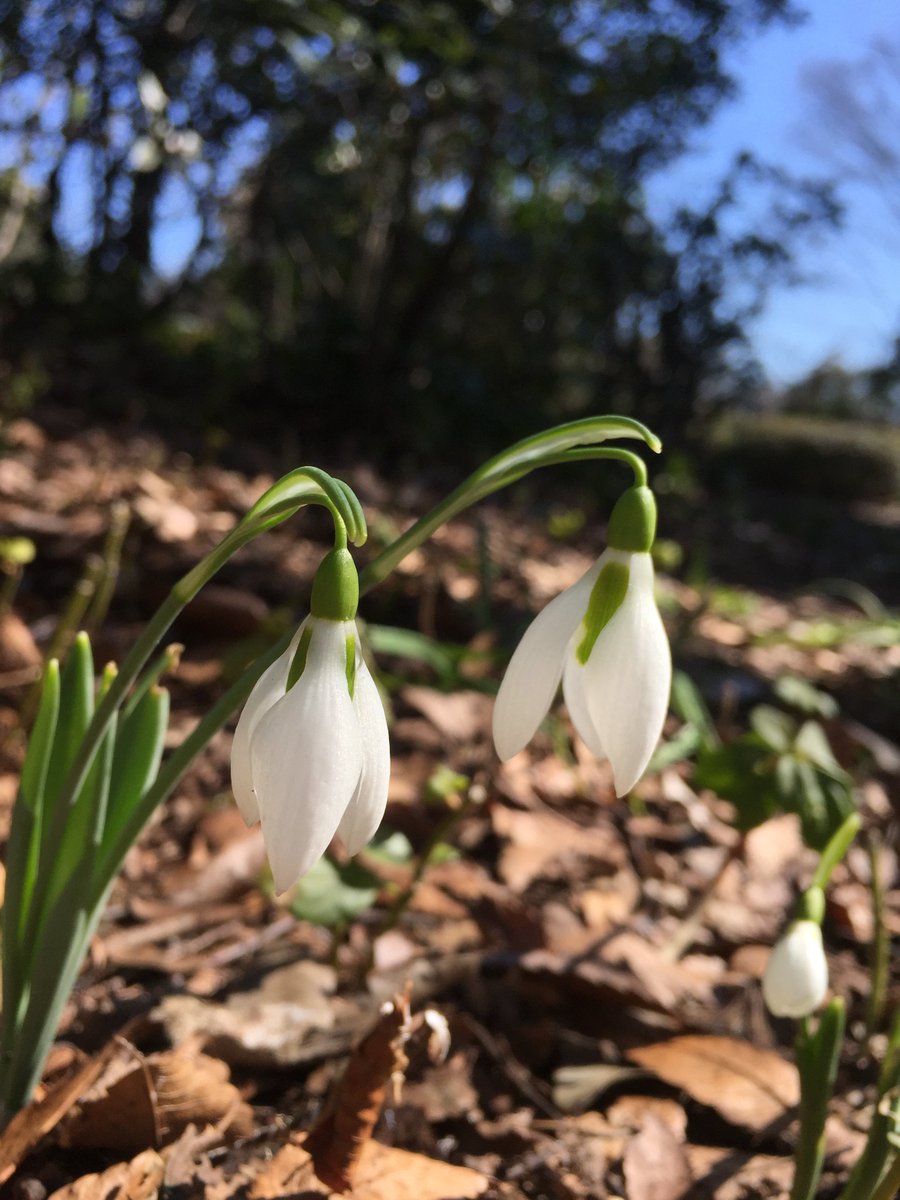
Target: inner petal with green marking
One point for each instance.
(298, 662)
(351, 663)
(606, 598)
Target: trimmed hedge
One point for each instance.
(840, 460)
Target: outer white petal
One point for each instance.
(365, 810)
(574, 680)
(306, 757)
(534, 670)
(266, 691)
(628, 678)
(796, 977)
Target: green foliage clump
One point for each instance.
(781, 764)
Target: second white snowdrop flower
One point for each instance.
(605, 639)
(311, 756)
(796, 977)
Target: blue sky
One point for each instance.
(850, 307)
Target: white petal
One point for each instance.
(306, 757)
(365, 810)
(574, 680)
(266, 691)
(796, 977)
(628, 678)
(534, 670)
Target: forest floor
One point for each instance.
(596, 960)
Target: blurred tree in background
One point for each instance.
(420, 222)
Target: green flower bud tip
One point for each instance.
(632, 525)
(335, 590)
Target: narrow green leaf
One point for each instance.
(417, 647)
(689, 704)
(812, 742)
(136, 759)
(82, 837)
(775, 727)
(57, 958)
(164, 663)
(818, 1056)
(23, 848)
(76, 707)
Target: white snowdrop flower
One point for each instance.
(796, 977)
(311, 756)
(605, 639)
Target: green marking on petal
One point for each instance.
(607, 595)
(298, 662)
(351, 663)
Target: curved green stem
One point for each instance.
(616, 453)
(838, 845)
(818, 1056)
(572, 442)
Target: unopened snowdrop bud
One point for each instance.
(605, 639)
(311, 756)
(796, 977)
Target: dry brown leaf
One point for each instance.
(119, 1111)
(609, 902)
(139, 1179)
(748, 1086)
(386, 1173)
(383, 1173)
(728, 1175)
(153, 1101)
(290, 1018)
(336, 1140)
(655, 1164)
(459, 716)
(170, 520)
(18, 648)
(670, 983)
(634, 1111)
(36, 1120)
(537, 840)
(446, 1091)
